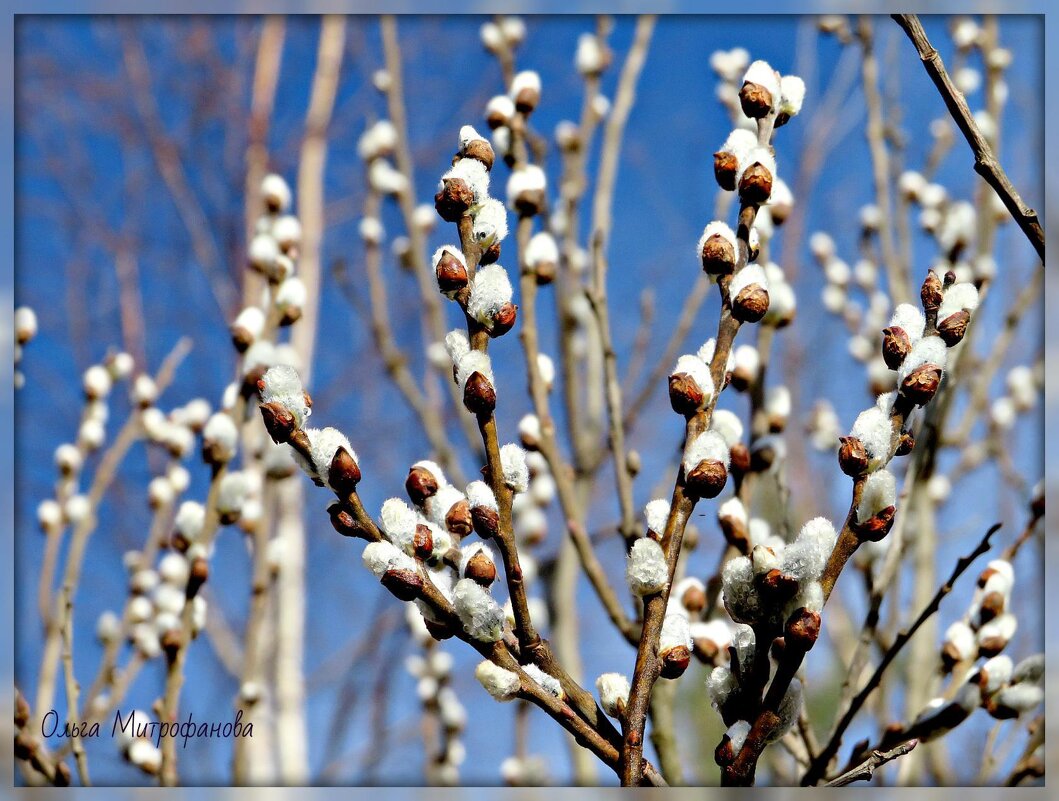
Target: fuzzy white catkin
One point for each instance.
(189, 520)
(490, 290)
(324, 444)
(613, 689)
(542, 249)
(549, 683)
(910, 319)
(788, 711)
(750, 275)
(720, 683)
(804, 559)
(880, 492)
(474, 361)
(696, 369)
(379, 556)
(778, 402)
(513, 462)
(656, 513)
(675, 632)
(737, 587)
(1002, 627)
(479, 494)
(1020, 698)
(929, 350)
(457, 345)
(499, 682)
(646, 571)
(528, 178)
(490, 220)
(222, 433)
(232, 492)
(996, 672)
(708, 445)
(748, 360)
(792, 91)
(398, 521)
(958, 297)
(728, 425)
(441, 502)
(762, 74)
(873, 428)
(732, 509)
(719, 228)
(283, 385)
(960, 635)
(480, 614)
(473, 173)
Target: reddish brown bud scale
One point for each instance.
(736, 534)
(950, 657)
(480, 569)
(876, 527)
(171, 642)
(439, 631)
(739, 459)
(241, 338)
(802, 629)
(921, 384)
(527, 99)
(930, 294)
(291, 315)
(693, 599)
(422, 542)
(490, 255)
(342, 519)
(751, 304)
(279, 422)
(777, 585)
(420, 485)
(453, 199)
(905, 444)
(706, 479)
(992, 605)
(852, 457)
(458, 520)
(991, 646)
(544, 272)
(344, 472)
(718, 255)
(486, 522)
(529, 203)
(200, 572)
(685, 395)
(755, 100)
(504, 320)
(952, 328)
(895, 346)
(478, 394)
(755, 185)
(725, 169)
(405, 585)
(451, 273)
(675, 661)
(480, 149)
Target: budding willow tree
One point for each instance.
(500, 545)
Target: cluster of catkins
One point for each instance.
(1005, 690)
(915, 346)
(432, 670)
(273, 252)
(862, 321)
(25, 330)
(69, 506)
(152, 620)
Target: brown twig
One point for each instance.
(823, 759)
(985, 162)
(864, 772)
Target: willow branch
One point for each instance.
(985, 162)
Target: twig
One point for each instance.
(823, 759)
(877, 759)
(72, 690)
(985, 163)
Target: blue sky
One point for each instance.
(73, 95)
